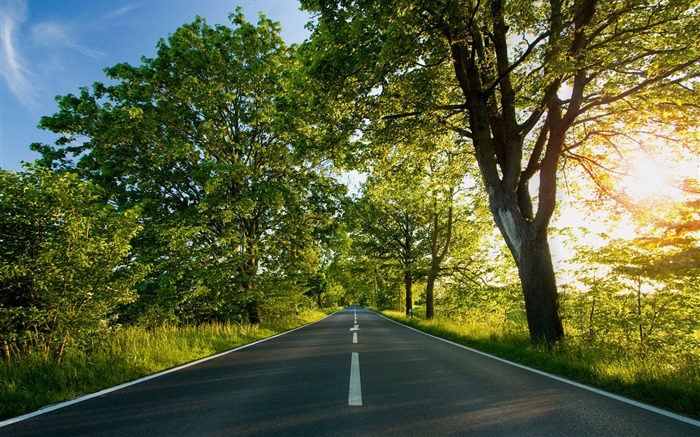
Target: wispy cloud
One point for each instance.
(60, 35)
(13, 67)
(67, 35)
(119, 12)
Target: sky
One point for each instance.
(53, 47)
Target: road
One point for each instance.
(354, 373)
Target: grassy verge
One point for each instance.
(32, 382)
(672, 386)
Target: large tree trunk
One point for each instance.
(408, 279)
(530, 250)
(540, 291)
(498, 138)
(430, 293)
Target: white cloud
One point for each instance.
(59, 35)
(13, 68)
(120, 11)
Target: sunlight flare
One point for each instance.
(649, 179)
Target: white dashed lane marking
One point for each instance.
(355, 393)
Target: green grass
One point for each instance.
(670, 383)
(31, 382)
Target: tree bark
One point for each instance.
(437, 255)
(408, 279)
(250, 269)
(254, 314)
(430, 294)
(540, 291)
(528, 244)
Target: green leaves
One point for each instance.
(638, 296)
(525, 84)
(66, 259)
(201, 138)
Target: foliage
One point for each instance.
(634, 300)
(215, 164)
(201, 137)
(317, 287)
(524, 83)
(638, 293)
(66, 261)
(391, 227)
(362, 280)
(419, 210)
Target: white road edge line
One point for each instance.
(355, 392)
(69, 402)
(647, 407)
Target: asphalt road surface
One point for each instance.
(354, 373)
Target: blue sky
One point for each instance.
(53, 47)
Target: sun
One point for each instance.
(652, 178)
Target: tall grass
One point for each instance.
(669, 382)
(32, 381)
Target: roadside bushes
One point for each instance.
(65, 261)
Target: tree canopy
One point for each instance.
(204, 183)
(525, 82)
(200, 138)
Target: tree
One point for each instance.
(66, 261)
(435, 172)
(634, 282)
(201, 138)
(454, 214)
(521, 81)
(317, 287)
(432, 163)
(356, 276)
(391, 227)
(638, 295)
